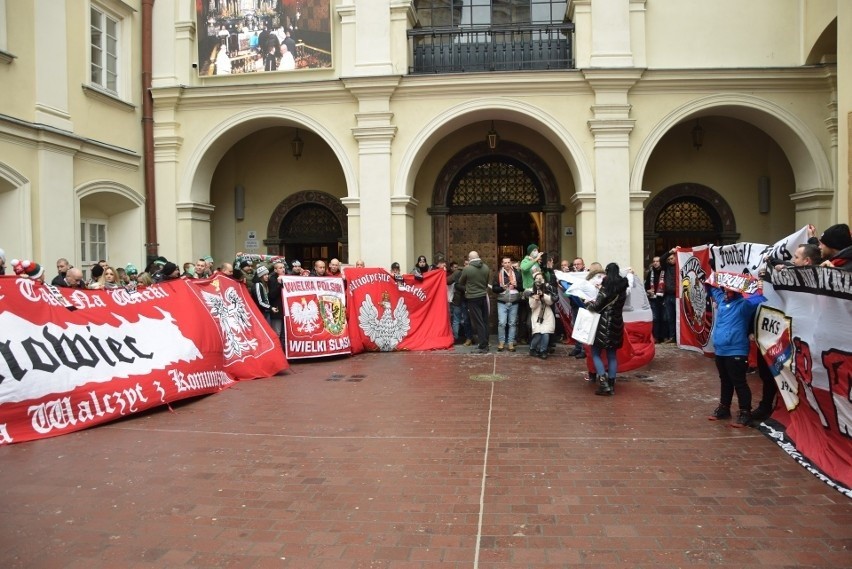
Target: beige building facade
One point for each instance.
(662, 122)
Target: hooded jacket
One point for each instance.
(610, 332)
(474, 279)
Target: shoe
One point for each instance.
(551, 350)
(760, 414)
(468, 342)
(532, 353)
(580, 355)
(511, 347)
(743, 419)
(588, 376)
(611, 381)
(603, 386)
(500, 346)
(542, 355)
(719, 413)
(669, 341)
(482, 350)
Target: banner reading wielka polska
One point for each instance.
(121, 352)
(315, 310)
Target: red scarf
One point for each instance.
(511, 274)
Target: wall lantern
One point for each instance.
(697, 135)
(298, 145)
(493, 138)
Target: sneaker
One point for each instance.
(468, 342)
(743, 419)
(721, 412)
(511, 347)
(500, 346)
(542, 355)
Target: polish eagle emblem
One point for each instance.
(234, 320)
(306, 315)
(387, 329)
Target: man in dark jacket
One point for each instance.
(474, 279)
(670, 279)
(835, 244)
(654, 289)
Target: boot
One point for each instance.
(611, 381)
(603, 386)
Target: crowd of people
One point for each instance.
(527, 303)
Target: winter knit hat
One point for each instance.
(531, 248)
(836, 237)
(29, 269)
(130, 269)
(169, 269)
(208, 259)
(261, 270)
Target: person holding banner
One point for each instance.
(609, 335)
(835, 244)
(732, 334)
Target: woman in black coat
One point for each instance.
(610, 333)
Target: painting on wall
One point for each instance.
(258, 36)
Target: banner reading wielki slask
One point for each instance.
(72, 359)
(315, 310)
(804, 333)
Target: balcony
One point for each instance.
(516, 48)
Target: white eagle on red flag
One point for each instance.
(387, 330)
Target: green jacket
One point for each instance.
(474, 279)
(527, 266)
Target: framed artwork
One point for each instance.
(261, 36)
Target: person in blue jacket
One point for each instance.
(732, 332)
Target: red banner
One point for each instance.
(387, 315)
(315, 310)
(117, 352)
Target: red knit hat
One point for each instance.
(29, 269)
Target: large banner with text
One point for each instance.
(388, 314)
(315, 310)
(811, 360)
(71, 359)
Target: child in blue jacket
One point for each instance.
(732, 333)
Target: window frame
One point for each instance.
(120, 13)
(85, 243)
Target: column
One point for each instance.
(374, 133)
(619, 231)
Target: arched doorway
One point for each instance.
(495, 202)
(308, 226)
(687, 215)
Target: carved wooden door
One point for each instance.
(473, 232)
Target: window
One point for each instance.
(93, 242)
(471, 13)
(104, 50)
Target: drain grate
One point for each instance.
(341, 377)
(488, 377)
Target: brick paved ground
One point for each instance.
(422, 460)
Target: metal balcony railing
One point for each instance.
(464, 50)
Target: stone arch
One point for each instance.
(125, 211)
(201, 165)
(811, 166)
(709, 198)
(482, 109)
(273, 241)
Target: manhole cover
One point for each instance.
(488, 377)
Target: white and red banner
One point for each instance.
(638, 347)
(385, 315)
(694, 306)
(804, 333)
(315, 317)
(119, 352)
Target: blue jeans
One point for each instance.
(461, 322)
(611, 362)
(507, 313)
(538, 343)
